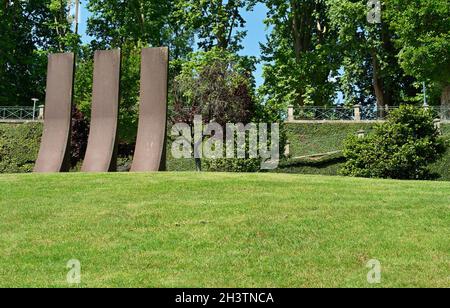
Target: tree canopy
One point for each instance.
(318, 52)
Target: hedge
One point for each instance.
(19, 145)
(309, 139)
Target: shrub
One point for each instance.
(233, 165)
(401, 148)
(19, 147)
(79, 138)
(244, 164)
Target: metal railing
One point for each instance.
(355, 113)
(325, 113)
(19, 113)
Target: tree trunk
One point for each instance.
(445, 102)
(388, 48)
(378, 86)
(301, 24)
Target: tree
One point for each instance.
(62, 37)
(300, 58)
(16, 54)
(217, 23)
(216, 84)
(401, 148)
(29, 30)
(140, 23)
(371, 72)
(132, 25)
(423, 36)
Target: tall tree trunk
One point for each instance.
(445, 102)
(389, 49)
(301, 24)
(378, 86)
(221, 34)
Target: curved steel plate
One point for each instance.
(55, 145)
(151, 139)
(101, 153)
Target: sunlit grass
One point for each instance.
(222, 230)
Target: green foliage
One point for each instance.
(331, 169)
(423, 36)
(442, 167)
(232, 165)
(84, 81)
(309, 139)
(368, 55)
(217, 23)
(29, 30)
(19, 147)
(129, 103)
(401, 148)
(300, 56)
(318, 48)
(423, 28)
(140, 23)
(244, 164)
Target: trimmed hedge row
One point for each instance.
(308, 139)
(442, 167)
(19, 146)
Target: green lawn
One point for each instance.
(222, 230)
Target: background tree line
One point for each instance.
(318, 52)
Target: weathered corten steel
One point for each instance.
(101, 153)
(54, 154)
(151, 139)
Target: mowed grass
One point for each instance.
(222, 230)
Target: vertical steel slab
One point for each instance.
(101, 153)
(54, 154)
(150, 149)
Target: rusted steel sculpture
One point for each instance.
(101, 153)
(54, 154)
(151, 139)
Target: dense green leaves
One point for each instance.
(401, 148)
(28, 31)
(319, 52)
(423, 29)
(301, 59)
(217, 23)
(19, 146)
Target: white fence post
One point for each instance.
(290, 113)
(437, 124)
(357, 111)
(41, 112)
(287, 149)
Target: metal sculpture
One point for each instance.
(151, 139)
(54, 153)
(101, 153)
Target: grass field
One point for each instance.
(222, 230)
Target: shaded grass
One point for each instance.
(222, 230)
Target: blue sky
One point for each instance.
(255, 27)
